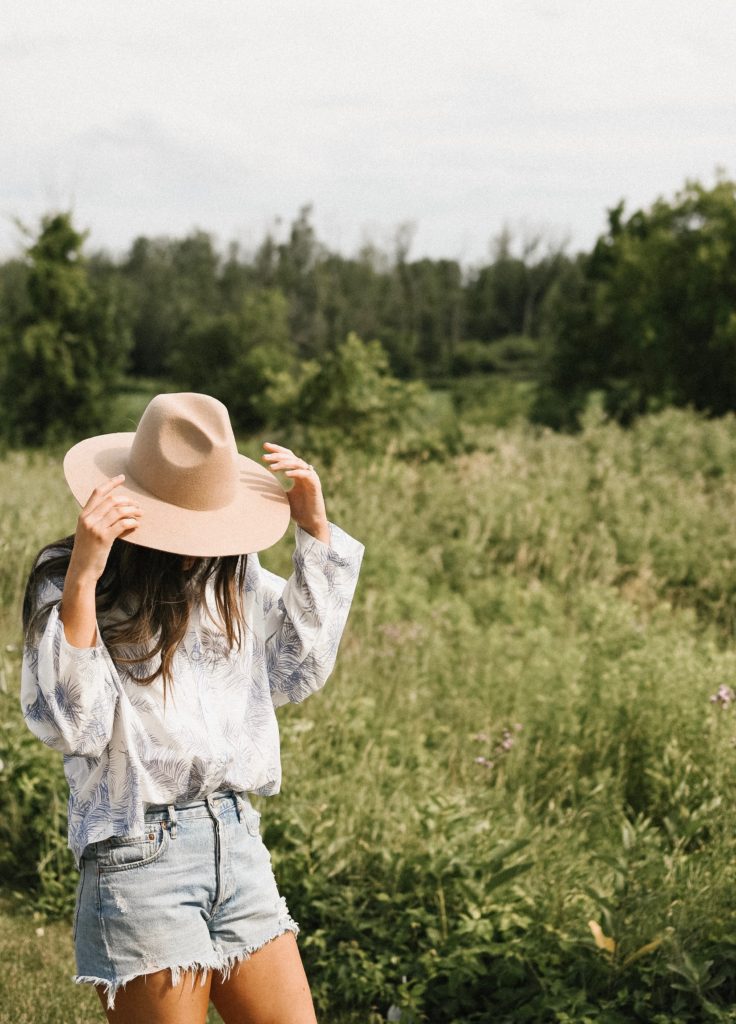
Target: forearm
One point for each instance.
(319, 528)
(104, 518)
(303, 626)
(78, 609)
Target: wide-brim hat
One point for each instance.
(199, 496)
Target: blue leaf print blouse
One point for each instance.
(123, 751)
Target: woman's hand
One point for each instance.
(104, 518)
(305, 497)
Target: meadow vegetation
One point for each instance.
(513, 799)
(646, 318)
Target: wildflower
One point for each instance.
(482, 737)
(484, 761)
(724, 696)
(507, 741)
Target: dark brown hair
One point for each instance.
(151, 595)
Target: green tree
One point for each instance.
(298, 275)
(348, 398)
(505, 297)
(66, 349)
(233, 356)
(649, 317)
(171, 284)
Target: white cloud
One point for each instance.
(458, 115)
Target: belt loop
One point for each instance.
(172, 820)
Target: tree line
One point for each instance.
(646, 318)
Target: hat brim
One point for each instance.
(257, 517)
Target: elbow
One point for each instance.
(309, 678)
(71, 747)
(90, 742)
(75, 730)
(91, 737)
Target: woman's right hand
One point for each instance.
(104, 518)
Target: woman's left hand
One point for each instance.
(305, 497)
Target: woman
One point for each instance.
(156, 652)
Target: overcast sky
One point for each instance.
(158, 116)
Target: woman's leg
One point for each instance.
(270, 987)
(152, 999)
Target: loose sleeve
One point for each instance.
(68, 694)
(305, 616)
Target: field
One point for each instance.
(513, 801)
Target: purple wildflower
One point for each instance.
(724, 696)
(507, 741)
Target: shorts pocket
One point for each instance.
(253, 820)
(125, 853)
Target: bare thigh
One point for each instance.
(153, 999)
(270, 987)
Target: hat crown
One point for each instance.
(184, 452)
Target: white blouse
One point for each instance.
(123, 751)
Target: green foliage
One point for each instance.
(513, 356)
(168, 284)
(649, 317)
(167, 299)
(235, 357)
(505, 298)
(350, 398)
(483, 399)
(64, 352)
(512, 801)
(34, 818)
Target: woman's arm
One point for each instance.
(68, 694)
(68, 691)
(104, 518)
(304, 617)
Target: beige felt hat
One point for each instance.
(199, 496)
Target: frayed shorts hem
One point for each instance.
(223, 963)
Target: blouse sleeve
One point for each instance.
(305, 616)
(68, 694)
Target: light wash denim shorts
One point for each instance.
(195, 892)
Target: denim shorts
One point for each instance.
(194, 892)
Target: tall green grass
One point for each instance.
(518, 739)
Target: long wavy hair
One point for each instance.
(143, 599)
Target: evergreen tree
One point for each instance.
(65, 351)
